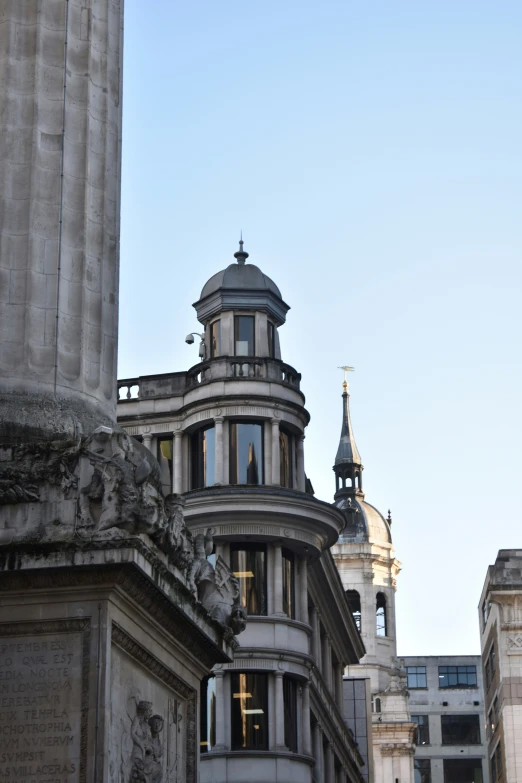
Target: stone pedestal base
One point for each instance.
(101, 657)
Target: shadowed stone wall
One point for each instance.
(60, 149)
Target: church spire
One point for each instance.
(348, 466)
(241, 254)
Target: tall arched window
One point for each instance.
(381, 621)
(354, 601)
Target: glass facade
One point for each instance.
(248, 564)
(457, 676)
(207, 721)
(202, 448)
(246, 453)
(249, 711)
(285, 459)
(288, 583)
(215, 339)
(244, 335)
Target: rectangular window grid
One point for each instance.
(457, 676)
(460, 729)
(416, 676)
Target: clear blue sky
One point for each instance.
(372, 154)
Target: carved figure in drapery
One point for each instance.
(216, 588)
(147, 752)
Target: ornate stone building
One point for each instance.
(366, 561)
(500, 611)
(228, 434)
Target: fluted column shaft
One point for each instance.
(60, 141)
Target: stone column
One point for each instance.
(267, 445)
(276, 460)
(316, 640)
(60, 143)
(301, 484)
(147, 442)
(278, 579)
(305, 728)
(303, 590)
(279, 713)
(326, 656)
(338, 676)
(220, 711)
(178, 462)
(318, 754)
(329, 763)
(218, 450)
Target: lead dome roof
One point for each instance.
(364, 523)
(241, 286)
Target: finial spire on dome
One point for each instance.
(241, 254)
(347, 451)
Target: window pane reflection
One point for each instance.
(215, 339)
(244, 335)
(285, 459)
(249, 711)
(203, 458)
(208, 714)
(288, 583)
(249, 566)
(246, 453)
(165, 462)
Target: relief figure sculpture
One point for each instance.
(147, 751)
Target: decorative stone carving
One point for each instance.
(24, 467)
(147, 742)
(216, 588)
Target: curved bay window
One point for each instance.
(215, 339)
(354, 602)
(249, 711)
(286, 459)
(288, 583)
(246, 453)
(207, 720)
(202, 449)
(381, 620)
(248, 563)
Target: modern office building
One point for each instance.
(447, 704)
(500, 611)
(228, 434)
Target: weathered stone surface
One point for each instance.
(60, 147)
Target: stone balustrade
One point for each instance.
(176, 384)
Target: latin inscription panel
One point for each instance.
(40, 707)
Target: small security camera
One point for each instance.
(189, 339)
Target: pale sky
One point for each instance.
(371, 152)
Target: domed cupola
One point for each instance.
(241, 286)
